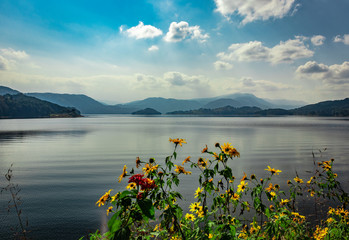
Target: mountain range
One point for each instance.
(231, 104)
(88, 105)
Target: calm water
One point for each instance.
(64, 165)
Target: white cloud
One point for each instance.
(10, 57)
(180, 31)
(262, 85)
(318, 40)
(4, 64)
(142, 31)
(13, 54)
(332, 74)
(344, 39)
(153, 48)
(252, 10)
(180, 79)
(220, 65)
(255, 51)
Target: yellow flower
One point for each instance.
(313, 177)
(149, 168)
(270, 187)
(244, 177)
(195, 207)
(298, 180)
(198, 191)
(186, 160)
(180, 169)
(330, 220)
(284, 202)
(116, 196)
(210, 236)
(273, 194)
(204, 150)
(273, 170)
(200, 213)
(202, 163)
(228, 149)
(104, 198)
(235, 197)
(131, 186)
(254, 228)
(319, 233)
(190, 217)
(242, 186)
(156, 228)
(123, 174)
(178, 141)
(109, 210)
(297, 217)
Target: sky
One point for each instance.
(119, 51)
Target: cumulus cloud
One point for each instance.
(344, 39)
(142, 31)
(332, 74)
(253, 10)
(180, 79)
(318, 40)
(179, 31)
(153, 48)
(3, 63)
(262, 85)
(9, 57)
(13, 54)
(220, 65)
(255, 51)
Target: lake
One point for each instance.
(63, 166)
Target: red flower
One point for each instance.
(137, 178)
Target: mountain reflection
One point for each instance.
(15, 135)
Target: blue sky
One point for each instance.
(119, 51)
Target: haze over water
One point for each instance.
(63, 166)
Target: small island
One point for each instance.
(147, 111)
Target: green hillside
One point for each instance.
(22, 106)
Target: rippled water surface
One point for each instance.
(64, 165)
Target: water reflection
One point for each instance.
(64, 165)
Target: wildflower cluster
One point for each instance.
(221, 201)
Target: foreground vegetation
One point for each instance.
(225, 207)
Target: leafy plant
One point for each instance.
(149, 209)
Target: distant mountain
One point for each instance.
(236, 100)
(84, 103)
(6, 90)
(22, 106)
(147, 111)
(222, 111)
(222, 102)
(164, 105)
(286, 104)
(337, 108)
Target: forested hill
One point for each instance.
(337, 108)
(22, 106)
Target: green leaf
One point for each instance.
(175, 155)
(146, 205)
(122, 234)
(114, 223)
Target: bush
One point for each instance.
(149, 209)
